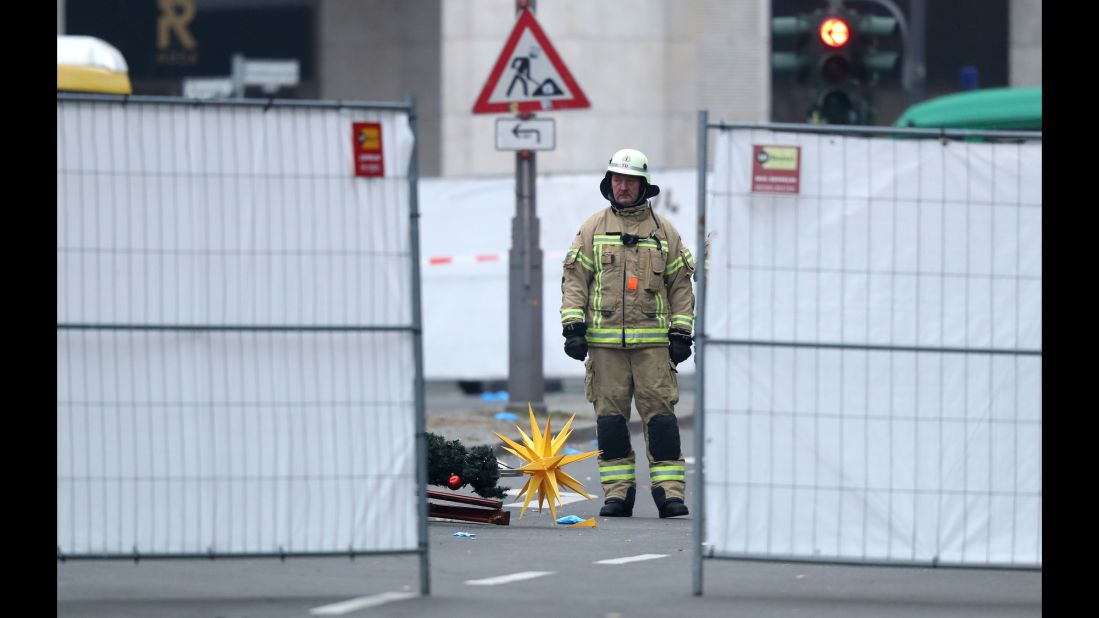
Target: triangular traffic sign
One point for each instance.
(529, 75)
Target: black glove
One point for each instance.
(679, 346)
(576, 345)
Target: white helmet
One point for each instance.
(629, 162)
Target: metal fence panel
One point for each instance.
(872, 352)
(236, 344)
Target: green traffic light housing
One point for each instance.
(870, 28)
(790, 27)
(836, 107)
(873, 25)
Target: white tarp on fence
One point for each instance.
(877, 395)
(263, 436)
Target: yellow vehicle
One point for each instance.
(88, 64)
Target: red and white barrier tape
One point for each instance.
(481, 258)
(464, 259)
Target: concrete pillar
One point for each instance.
(1025, 44)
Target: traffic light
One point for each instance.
(820, 60)
(836, 55)
(837, 101)
(821, 42)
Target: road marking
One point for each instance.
(567, 497)
(631, 559)
(507, 579)
(346, 607)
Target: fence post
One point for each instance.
(700, 383)
(418, 347)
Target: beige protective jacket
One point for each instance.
(629, 296)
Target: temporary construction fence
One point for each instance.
(239, 359)
(869, 346)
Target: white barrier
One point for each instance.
(236, 332)
(872, 353)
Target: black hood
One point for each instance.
(648, 192)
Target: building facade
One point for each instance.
(647, 67)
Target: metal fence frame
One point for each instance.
(701, 339)
(408, 106)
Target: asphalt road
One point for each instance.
(553, 571)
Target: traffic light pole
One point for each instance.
(916, 46)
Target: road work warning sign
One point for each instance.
(776, 169)
(529, 76)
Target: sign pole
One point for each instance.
(526, 380)
(528, 76)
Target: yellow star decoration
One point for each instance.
(544, 464)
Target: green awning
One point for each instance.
(992, 109)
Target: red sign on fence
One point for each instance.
(776, 169)
(367, 138)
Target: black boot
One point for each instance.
(668, 507)
(617, 507)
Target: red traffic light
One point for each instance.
(834, 32)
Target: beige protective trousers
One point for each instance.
(614, 377)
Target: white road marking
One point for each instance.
(346, 607)
(507, 579)
(567, 497)
(631, 559)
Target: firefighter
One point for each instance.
(627, 311)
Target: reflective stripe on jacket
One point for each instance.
(629, 295)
